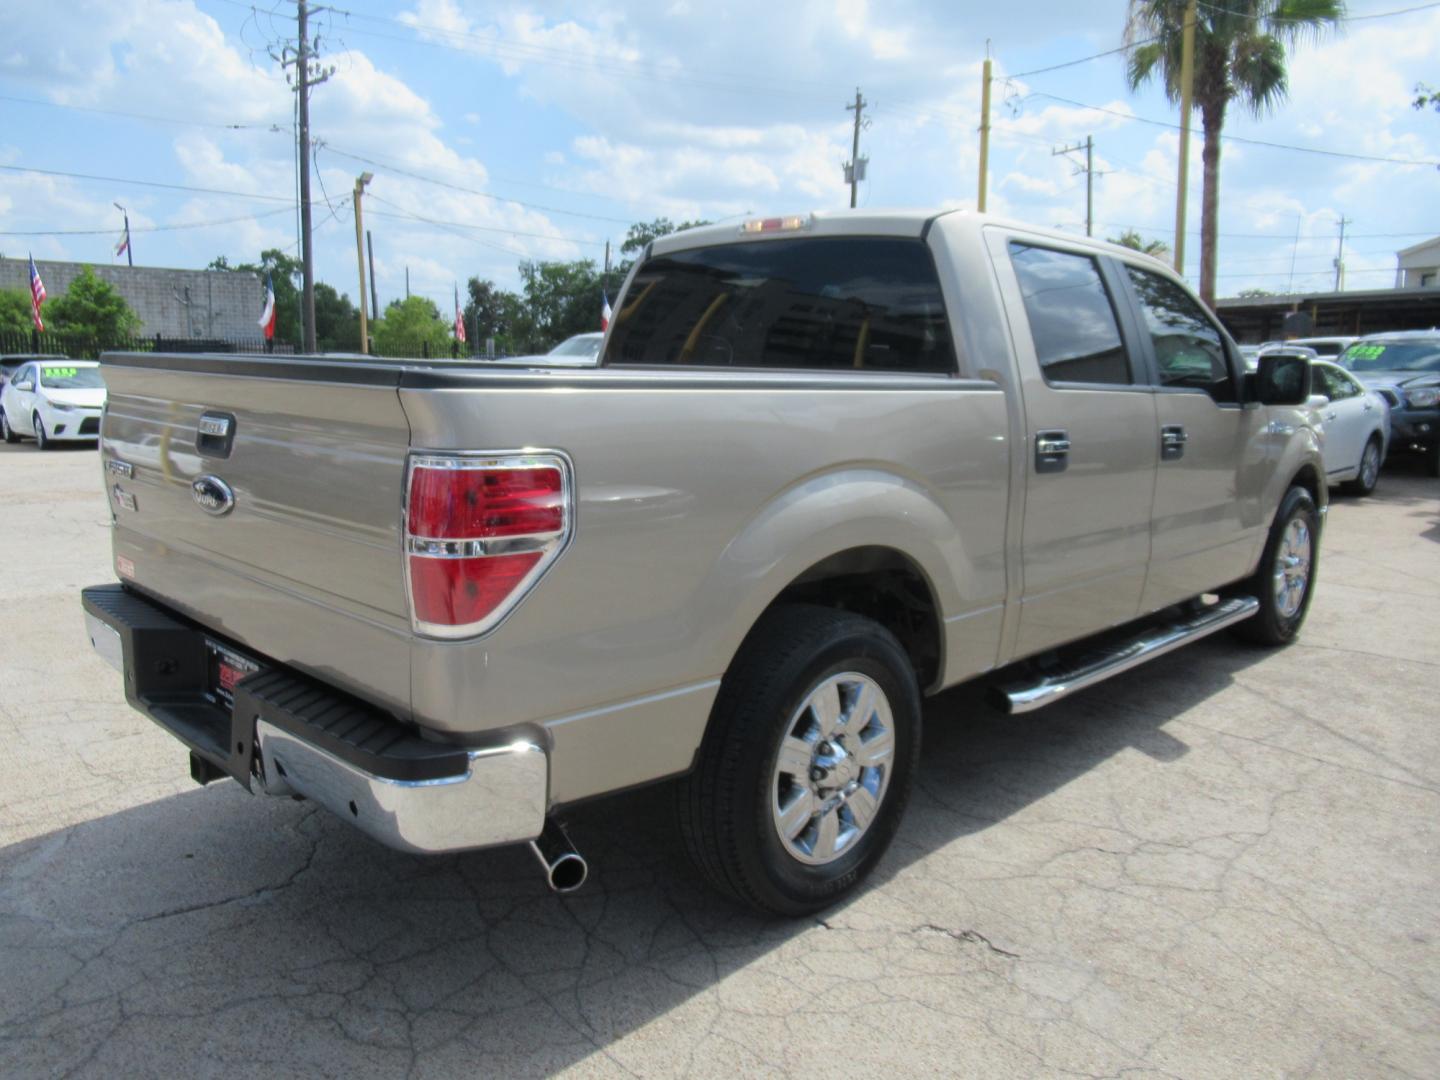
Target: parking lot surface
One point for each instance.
(1222, 864)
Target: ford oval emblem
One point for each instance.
(213, 495)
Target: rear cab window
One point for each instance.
(851, 303)
(1072, 317)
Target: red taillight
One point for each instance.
(477, 504)
(480, 531)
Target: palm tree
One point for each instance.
(1239, 56)
(1131, 239)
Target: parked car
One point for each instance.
(582, 350)
(1327, 347)
(1404, 367)
(10, 362)
(1356, 425)
(52, 400)
(828, 465)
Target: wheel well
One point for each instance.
(881, 584)
(1308, 479)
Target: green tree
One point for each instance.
(561, 299)
(491, 312)
(1254, 294)
(15, 311)
(1131, 239)
(337, 320)
(93, 308)
(642, 232)
(1240, 50)
(284, 270)
(409, 326)
(1426, 97)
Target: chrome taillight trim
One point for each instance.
(550, 545)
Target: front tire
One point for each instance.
(1368, 474)
(1432, 459)
(42, 441)
(1285, 579)
(807, 766)
(6, 431)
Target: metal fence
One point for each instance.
(85, 347)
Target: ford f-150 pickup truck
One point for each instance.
(827, 465)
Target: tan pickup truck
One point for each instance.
(827, 465)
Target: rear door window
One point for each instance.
(1072, 318)
(805, 304)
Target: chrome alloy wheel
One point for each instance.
(1370, 465)
(1292, 568)
(833, 768)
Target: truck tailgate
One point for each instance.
(306, 563)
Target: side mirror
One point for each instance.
(1282, 380)
(1317, 401)
(25, 384)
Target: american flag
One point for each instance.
(37, 295)
(605, 313)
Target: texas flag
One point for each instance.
(459, 318)
(37, 295)
(605, 312)
(267, 313)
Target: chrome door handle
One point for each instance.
(1052, 451)
(1172, 442)
(1329, 416)
(1369, 405)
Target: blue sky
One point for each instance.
(554, 125)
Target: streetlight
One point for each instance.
(360, 183)
(129, 255)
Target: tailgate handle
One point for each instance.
(215, 434)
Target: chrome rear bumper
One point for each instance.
(286, 733)
(499, 799)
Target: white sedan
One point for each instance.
(1356, 422)
(53, 400)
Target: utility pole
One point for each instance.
(985, 128)
(605, 277)
(374, 297)
(856, 169)
(1340, 256)
(1187, 99)
(304, 80)
(1089, 147)
(360, 182)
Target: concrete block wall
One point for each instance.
(172, 303)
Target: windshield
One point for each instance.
(579, 345)
(61, 377)
(1383, 356)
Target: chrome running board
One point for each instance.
(1027, 695)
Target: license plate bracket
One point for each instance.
(226, 668)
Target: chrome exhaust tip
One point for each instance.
(565, 868)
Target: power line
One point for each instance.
(147, 183)
(471, 191)
(1221, 10)
(481, 228)
(1238, 138)
(176, 227)
(153, 118)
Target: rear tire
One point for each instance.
(1285, 579)
(1368, 474)
(42, 441)
(6, 431)
(807, 765)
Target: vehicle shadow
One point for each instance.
(211, 917)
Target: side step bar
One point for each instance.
(1027, 695)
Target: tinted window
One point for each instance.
(1071, 317)
(1189, 350)
(1333, 383)
(809, 303)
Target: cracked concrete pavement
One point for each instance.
(1222, 864)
